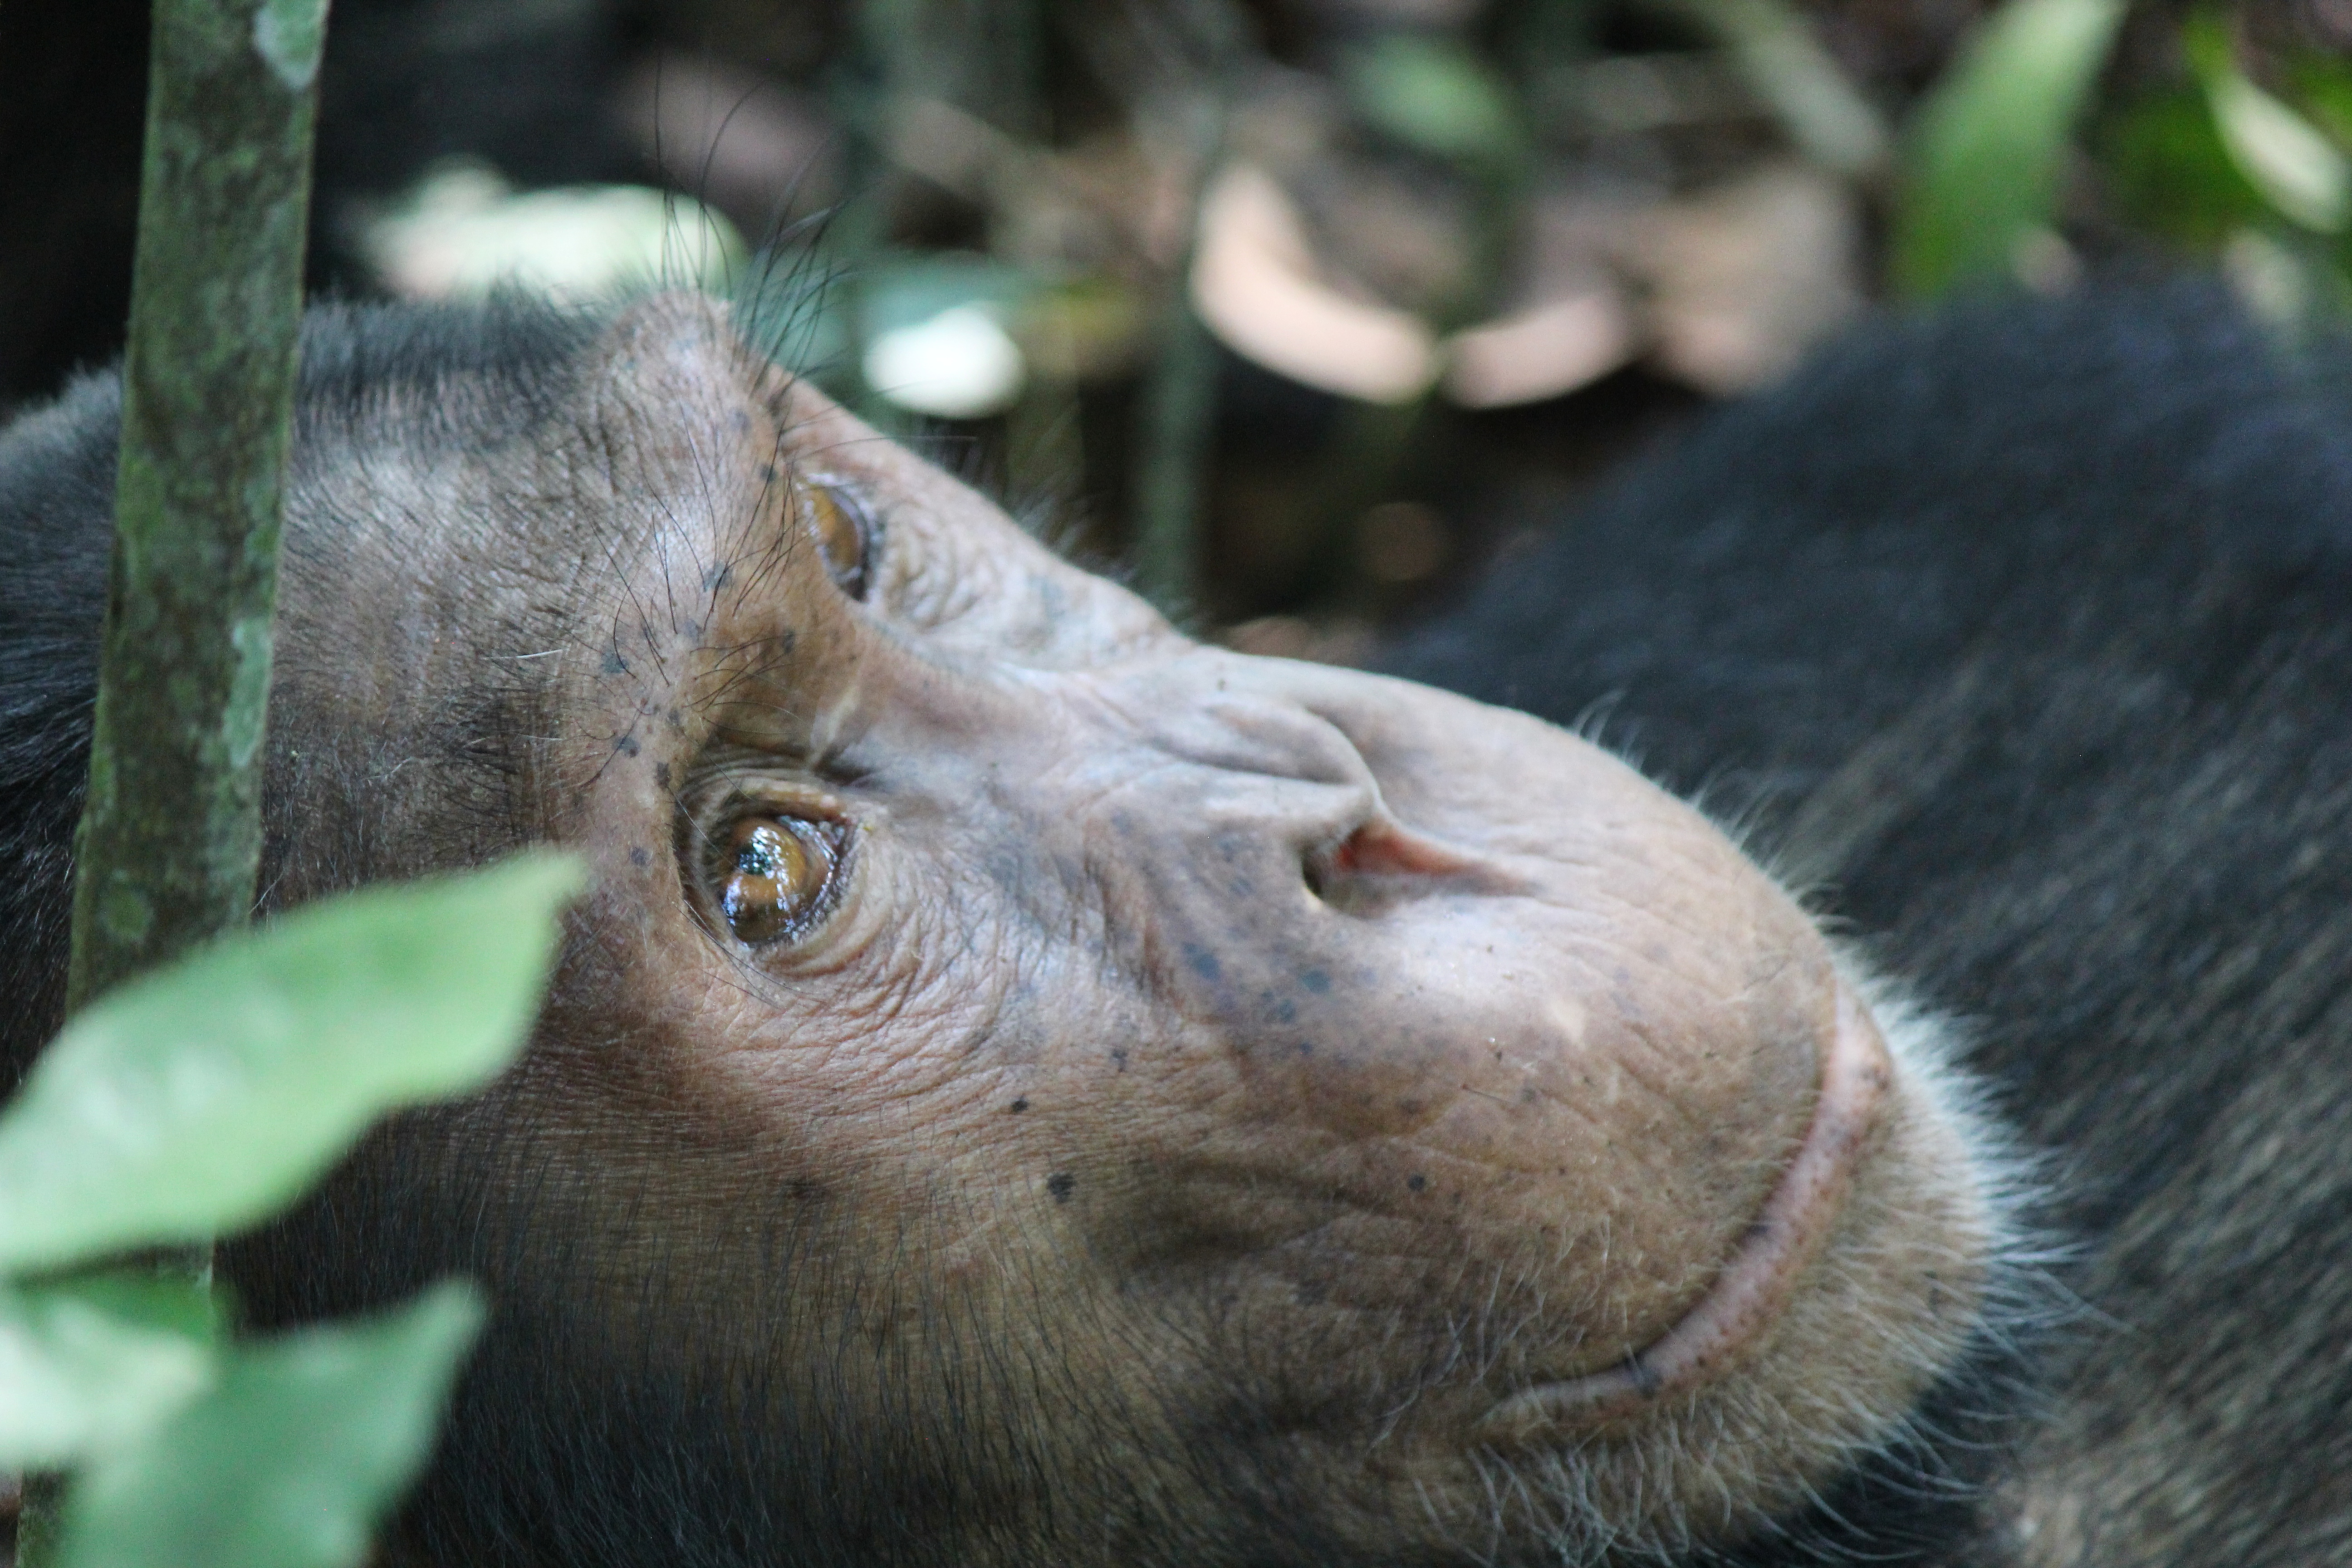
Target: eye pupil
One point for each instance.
(842, 534)
(780, 870)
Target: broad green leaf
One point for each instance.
(87, 1366)
(205, 1098)
(2297, 169)
(1436, 97)
(292, 1461)
(1990, 143)
(2299, 172)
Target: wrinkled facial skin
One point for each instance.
(1073, 1095)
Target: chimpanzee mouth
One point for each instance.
(1760, 1277)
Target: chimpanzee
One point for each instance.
(1028, 1088)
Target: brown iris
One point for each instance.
(776, 871)
(843, 534)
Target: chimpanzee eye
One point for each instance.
(844, 534)
(773, 876)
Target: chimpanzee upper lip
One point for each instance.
(1763, 1272)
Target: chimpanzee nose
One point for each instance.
(1575, 1052)
(1247, 764)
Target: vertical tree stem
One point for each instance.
(863, 91)
(171, 833)
(1179, 393)
(1179, 414)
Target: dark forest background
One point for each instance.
(1307, 308)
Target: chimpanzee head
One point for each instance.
(1027, 1086)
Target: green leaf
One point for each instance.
(205, 1098)
(87, 1366)
(1990, 142)
(1436, 97)
(2297, 169)
(2294, 167)
(293, 1461)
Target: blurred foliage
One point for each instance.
(1436, 95)
(997, 223)
(196, 1100)
(1989, 145)
(1467, 166)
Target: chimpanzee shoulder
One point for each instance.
(1773, 586)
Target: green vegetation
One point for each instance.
(195, 1102)
(1989, 146)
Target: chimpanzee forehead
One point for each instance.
(504, 521)
(484, 457)
(467, 489)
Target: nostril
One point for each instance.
(1382, 849)
(1378, 861)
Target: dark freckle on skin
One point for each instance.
(1315, 979)
(676, 720)
(1119, 1058)
(613, 663)
(1060, 1185)
(1019, 1106)
(717, 577)
(640, 855)
(785, 639)
(767, 473)
(628, 745)
(1758, 1229)
(740, 422)
(1204, 963)
(1417, 1182)
(1306, 1047)
(661, 774)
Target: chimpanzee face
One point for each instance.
(1029, 1086)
